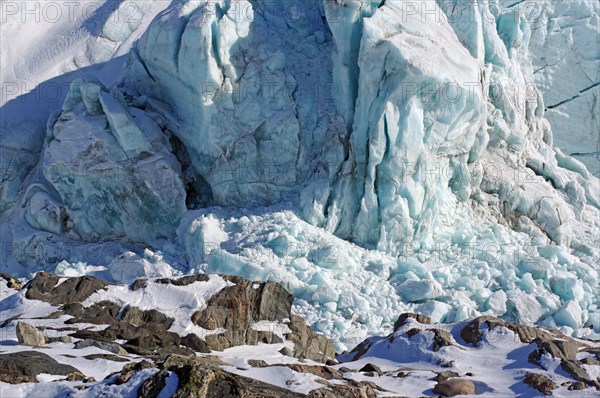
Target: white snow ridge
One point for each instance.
(374, 157)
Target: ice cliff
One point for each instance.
(370, 155)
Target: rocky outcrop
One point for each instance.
(23, 367)
(11, 282)
(44, 287)
(237, 308)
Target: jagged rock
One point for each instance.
(371, 368)
(103, 345)
(11, 282)
(101, 313)
(236, 308)
(452, 387)
(540, 382)
(287, 352)
(573, 367)
(29, 335)
(441, 339)
(424, 319)
(73, 290)
(472, 333)
(201, 379)
(561, 349)
(195, 343)
(152, 387)
(129, 370)
(23, 367)
(137, 317)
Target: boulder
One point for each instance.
(29, 335)
(103, 345)
(423, 319)
(23, 367)
(453, 387)
(11, 282)
(74, 290)
(542, 383)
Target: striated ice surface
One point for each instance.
(372, 156)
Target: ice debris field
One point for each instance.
(370, 157)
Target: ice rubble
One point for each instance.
(405, 157)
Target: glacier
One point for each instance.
(372, 156)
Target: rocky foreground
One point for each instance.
(224, 336)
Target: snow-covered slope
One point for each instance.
(371, 156)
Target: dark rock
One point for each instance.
(441, 339)
(29, 335)
(23, 367)
(185, 280)
(107, 357)
(412, 332)
(352, 389)
(424, 319)
(257, 363)
(137, 317)
(371, 368)
(73, 290)
(195, 343)
(103, 345)
(11, 282)
(199, 378)
(101, 313)
(472, 332)
(152, 387)
(443, 376)
(561, 349)
(138, 284)
(540, 382)
(574, 368)
(287, 352)
(363, 347)
(453, 387)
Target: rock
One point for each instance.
(152, 387)
(540, 382)
(29, 335)
(129, 370)
(452, 387)
(59, 339)
(107, 357)
(73, 290)
(424, 319)
(23, 367)
(443, 376)
(324, 372)
(287, 352)
(195, 343)
(200, 378)
(577, 386)
(471, 332)
(138, 284)
(137, 317)
(441, 339)
(352, 389)
(184, 281)
(236, 308)
(371, 368)
(103, 345)
(101, 313)
(307, 343)
(560, 349)
(257, 363)
(11, 282)
(574, 368)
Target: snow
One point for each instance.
(372, 158)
